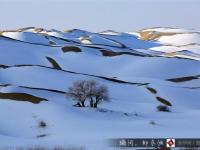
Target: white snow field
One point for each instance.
(140, 69)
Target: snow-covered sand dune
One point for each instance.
(141, 69)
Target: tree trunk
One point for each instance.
(95, 105)
(91, 102)
(83, 103)
(96, 102)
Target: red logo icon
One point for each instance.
(170, 142)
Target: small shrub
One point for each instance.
(152, 122)
(42, 124)
(126, 114)
(136, 114)
(163, 108)
(41, 135)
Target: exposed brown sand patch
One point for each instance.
(26, 28)
(152, 90)
(170, 54)
(110, 53)
(183, 79)
(71, 49)
(38, 29)
(153, 35)
(18, 30)
(22, 97)
(164, 101)
(54, 63)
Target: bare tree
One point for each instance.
(96, 93)
(91, 90)
(101, 94)
(78, 92)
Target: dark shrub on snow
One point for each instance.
(163, 108)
